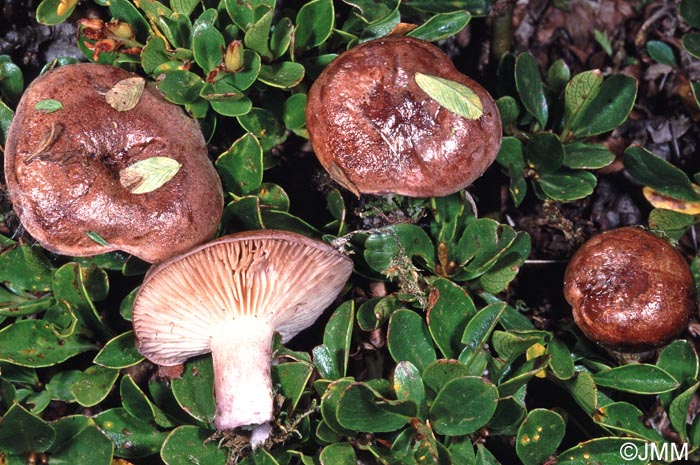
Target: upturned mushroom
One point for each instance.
(96, 160)
(630, 290)
(394, 115)
(229, 297)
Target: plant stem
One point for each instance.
(242, 353)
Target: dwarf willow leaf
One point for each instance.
(48, 105)
(452, 95)
(95, 237)
(148, 174)
(125, 94)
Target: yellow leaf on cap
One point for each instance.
(148, 174)
(125, 94)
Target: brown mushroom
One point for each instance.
(375, 130)
(73, 172)
(228, 297)
(630, 290)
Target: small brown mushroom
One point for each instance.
(85, 142)
(375, 130)
(229, 297)
(630, 290)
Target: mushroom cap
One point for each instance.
(62, 168)
(280, 277)
(630, 290)
(376, 131)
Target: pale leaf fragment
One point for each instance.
(452, 95)
(148, 174)
(126, 93)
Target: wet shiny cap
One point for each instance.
(96, 161)
(630, 290)
(376, 131)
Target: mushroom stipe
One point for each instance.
(229, 297)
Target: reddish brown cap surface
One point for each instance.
(63, 168)
(630, 290)
(376, 131)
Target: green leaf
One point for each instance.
(241, 166)
(48, 106)
(284, 75)
(193, 390)
(177, 29)
(281, 37)
(670, 223)
(641, 378)
(53, 12)
(479, 329)
(373, 313)
(680, 360)
(463, 406)
(26, 268)
(408, 385)
(6, 116)
(292, 379)
(509, 109)
(329, 406)
(179, 86)
(511, 157)
(408, 339)
(119, 352)
(691, 42)
(294, 115)
(441, 26)
(361, 408)
(207, 42)
(35, 343)
(608, 109)
(626, 418)
(265, 126)
(383, 248)
(482, 244)
(454, 96)
(79, 440)
(658, 174)
(584, 391)
(136, 403)
(610, 451)
(451, 310)
(580, 155)
(507, 418)
(93, 385)
(530, 88)
(544, 152)
(186, 445)
(441, 371)
(475, 7)
(257, 36)
(70, 285)
(679, 410)
(661, 52)
(579, 93)
(539, 436)
(132, 438)
(183, 7)
(567, 186)
(340, 453)
(314, 23)
(337, 335)
(22, 432)
(148, 174)
(562, 363)
(558, 76)
(125, 11)
(690, 11)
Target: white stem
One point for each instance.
(242, 354)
